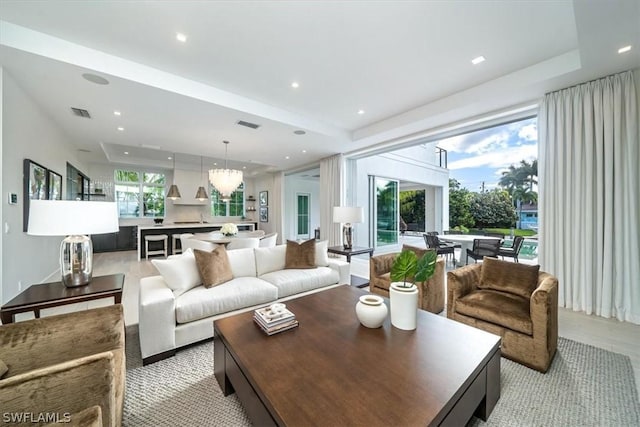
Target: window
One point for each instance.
(135, 189)
(234, 207)
(386, 193)
(302, 213)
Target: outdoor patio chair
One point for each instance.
(514, 250)
(441, 248)
(483, 248)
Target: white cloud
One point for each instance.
(507, 156)
(529, 132)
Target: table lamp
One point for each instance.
(74, 219)
(347, 216)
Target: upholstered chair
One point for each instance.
(430, 293)
(65, 364)
(515, 301)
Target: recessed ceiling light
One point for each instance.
(295, 85)
(478, 60)
(93, 78)
(244, 167)
(126, 152)
(169, 158)
(361, 112)
(304, 151)
(299, 132)
(181, 37)
(215, 164)
(624, 49)
(286, 157)
(117, 113)
(120, 128)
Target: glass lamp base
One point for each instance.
(76, 260)
(347, 236)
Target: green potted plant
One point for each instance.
(407, 269)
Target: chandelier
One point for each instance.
(225, 180)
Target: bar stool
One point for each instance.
(174, 244)
(156, 238)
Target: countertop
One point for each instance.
(170, 225)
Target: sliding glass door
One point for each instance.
(386, 202)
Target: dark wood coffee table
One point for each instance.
(54, 294)
(332, 371)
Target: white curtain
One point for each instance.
(277, 203)
(589, 167)
(331, 194)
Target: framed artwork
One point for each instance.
(34, 178)
(264, 198)
(54, 186)
(264, 214)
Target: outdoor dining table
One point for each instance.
(465, 240)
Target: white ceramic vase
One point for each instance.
(371, 311)
(404, 305)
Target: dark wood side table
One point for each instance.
(356, 281)
(47, 295)
(355, 250)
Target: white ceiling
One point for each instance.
(407, 64)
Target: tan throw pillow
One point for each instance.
(511, 277)
(3, 368)
(300, 255)
(214, 266)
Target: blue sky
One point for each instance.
(483, 155)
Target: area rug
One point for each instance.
(585, 386)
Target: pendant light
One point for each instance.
(225, 180)
(201, 194)
(174, 193)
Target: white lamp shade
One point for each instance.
(346, 214)
(71, 217)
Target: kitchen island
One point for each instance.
(178, 228)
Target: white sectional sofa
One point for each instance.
(176, 310)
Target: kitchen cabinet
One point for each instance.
(124, 240)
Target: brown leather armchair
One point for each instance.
(516, 301)
(65, 364)
(430, 293)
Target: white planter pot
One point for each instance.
(404, 306)
(371, 311)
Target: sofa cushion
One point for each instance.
(180, 272)
(3, 368)
(501, 308)
(300, 255)
(270, 259)
(214, 266)
(243, 262)
(291, 282)
(515, 278)
(322, 254)
(241, 292)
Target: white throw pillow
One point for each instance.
(180, 272)
(322, 256)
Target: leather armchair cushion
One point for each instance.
(501, 308)
(514, 278)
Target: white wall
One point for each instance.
(27, 132)
(265, 183)
(294, 185)
(402, 168)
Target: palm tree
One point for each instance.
(523, 195)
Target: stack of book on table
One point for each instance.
(274, 319)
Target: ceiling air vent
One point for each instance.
(248, 124)
(81, 112)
